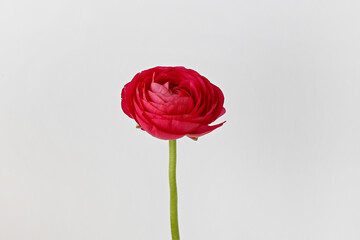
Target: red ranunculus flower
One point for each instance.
(172, 102)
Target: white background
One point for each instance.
(285, 165)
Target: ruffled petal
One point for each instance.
(204, 130)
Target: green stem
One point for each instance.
(173, 191)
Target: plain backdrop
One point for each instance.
(285, 166)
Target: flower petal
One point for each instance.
(204, 130)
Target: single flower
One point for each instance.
(172, 102)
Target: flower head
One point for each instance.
(172, 102)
